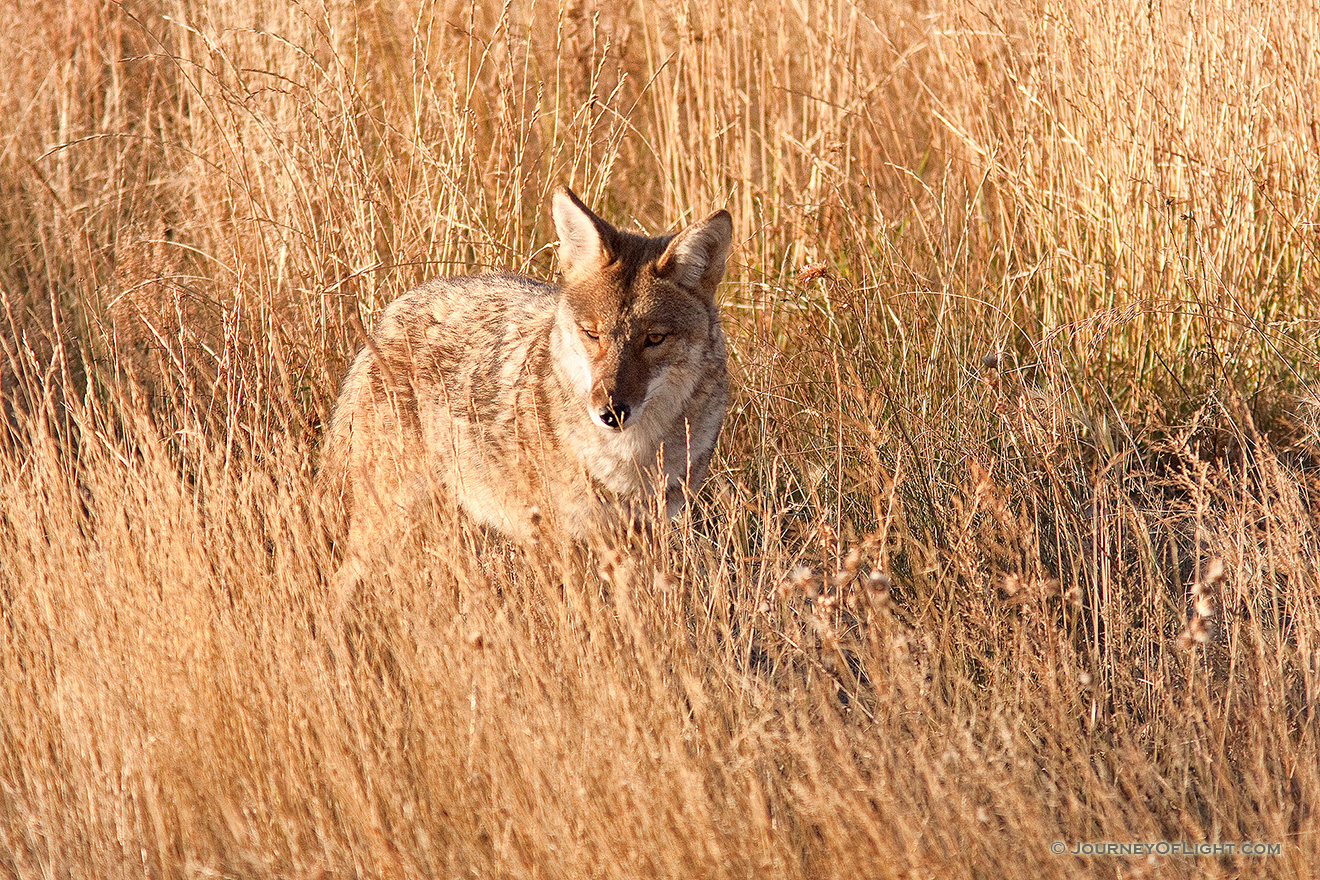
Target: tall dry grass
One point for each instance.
(1012, 537)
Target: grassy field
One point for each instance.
(1013, 534)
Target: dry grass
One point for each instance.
(1013, 536)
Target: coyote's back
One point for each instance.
(591, 405)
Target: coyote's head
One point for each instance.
(636, 315)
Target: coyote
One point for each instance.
(590, 405)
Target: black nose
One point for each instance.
(615, 415)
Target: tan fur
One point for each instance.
(491, 389)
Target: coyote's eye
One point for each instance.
(591, 334)
(655, 338)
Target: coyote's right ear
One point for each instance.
(695, 257)
(582, 235)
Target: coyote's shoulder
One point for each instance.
(590, 405)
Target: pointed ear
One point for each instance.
(695, 257)
(581, 234)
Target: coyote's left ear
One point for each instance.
(583, 237)
(695, 257)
